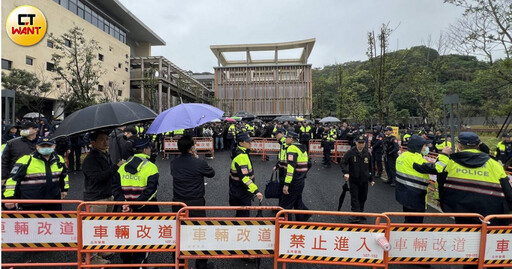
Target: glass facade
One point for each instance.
(84, 12)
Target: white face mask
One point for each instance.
(25, 133)
(426, 151)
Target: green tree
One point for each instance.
(75, 63)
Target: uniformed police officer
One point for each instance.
(281, 160)
(412, 177)
(406, 137)
(230, 137)
(377, 148)
(297, 168)
(356, 166)
(475, 183)
(305, 134)
(31, 179)
(329, 137)
(391, 149)
(241, 178)
(504, 150)
(137, 180)
(442, 143)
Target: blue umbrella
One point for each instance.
(184, 116)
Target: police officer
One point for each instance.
(412, 177)
(391, 149)
(356, 166)
(281, 160)
(137, 180)
(406, 137)
(377, 148)
(18, 147)
(442, 143)
(297, 168)
(231, 135)
(504, 149)
(475, 182)
(329, 137)
(241, 178)
(39, 175)
(305, 134)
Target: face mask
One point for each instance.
(45, 151)
(25, 132)
(425, 152)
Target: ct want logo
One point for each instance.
(26, 25)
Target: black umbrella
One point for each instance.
(107, 115)
(343, 194)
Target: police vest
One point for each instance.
(443, 144)
(34, 183)
(411, 187)
(332, 135)
(305, 133)
(241, 173)
(179, 132)
(475, 190)
(134, 184)
(298, 164)
(140, 130)
(282, 153)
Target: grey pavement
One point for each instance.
(323, 187)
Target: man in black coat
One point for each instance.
(377, 150)
(357, 169)
(18, 147)
(188, 172)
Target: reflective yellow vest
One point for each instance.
(444, 144)
(29, 179)
(134, 184)
(297, 164)
(332, 135)
(282, 153)
(241, 170)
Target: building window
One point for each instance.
(29, 60)
(50, 66)
(119, 93)
(124, 82)
(67, 42)
(126, 69)
(49, 44)
(110, 49)
(110, 84)
(6, 64)
(100, 57)
(119, 65)
(100, 88)
(126, 55)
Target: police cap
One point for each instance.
(360, 139)
(141, 143)
(388, 128)
(506, 135)
(45, 141)
(243, 137)
(29, 125)
(469, 139)
(293, 135)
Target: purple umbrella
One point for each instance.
(184, 116)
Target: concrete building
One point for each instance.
(264, 86)
(125, 56)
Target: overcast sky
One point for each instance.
(339, 26)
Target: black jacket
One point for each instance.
(15, 149)
(99, 173)
(391, 146)
(358, 165)
(188, 175)
(378, 142)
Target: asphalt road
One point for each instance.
(323, 187)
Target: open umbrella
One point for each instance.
(184, 116)
(256, 120)
(33, 115)
(105, 115)
(329, 119)
(286, 118)
(229, 120)
(216, 120)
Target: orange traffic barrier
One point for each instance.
(497, 239)
(434, 243)
(258, 147)
(225, 237)
(115, 232)
(54, 230)
(204, 145)
(331, 243)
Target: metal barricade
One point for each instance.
(434, 243)
(112, 232)
(34, 230)
(204, 145)
(225, 237)
(496, 243)
(330, 243)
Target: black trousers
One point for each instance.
(241, 201)
(377, 161)
(327, 151)
(200, 263)
(74, 159)
(413, 219)
(358, 194)
(294, 201)
(391, 168)
(138, 257)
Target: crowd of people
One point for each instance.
(120, 166)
